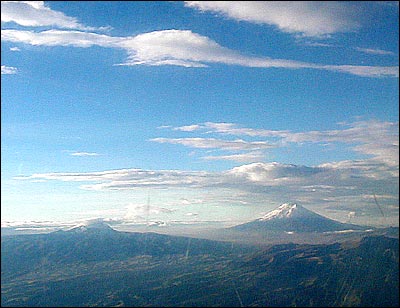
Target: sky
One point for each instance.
(196, 112)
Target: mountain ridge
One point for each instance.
(357, 273)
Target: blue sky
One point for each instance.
(215, 111)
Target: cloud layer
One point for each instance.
(352, 184)
(186, 48)
(180, 48)
(348, 184)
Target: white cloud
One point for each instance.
(185, 48)
(308, 18)
(190, 49)
(318, 44)
(14, 49)
(143, 211)
(180, 48)
(375, 51)
(37, 14)
(211, 143)
(59, 38)
(364, 71)
(243, 157)
(375, 138)
(359, 175)
(84, 154)
(186, 201)
(233, 129)
(34, 224)
(128, 178)
(90, 176)
(187, 128)
(379, 139)
(8, 70)
(272, 173)
(368, 168)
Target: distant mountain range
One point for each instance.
(292, 217)
(97, 242)
(94, 265)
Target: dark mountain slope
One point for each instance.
(102, 267)
(21, 253)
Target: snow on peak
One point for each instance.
(94, 224)
(286, 210)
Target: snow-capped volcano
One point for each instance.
(95, 225)
(292, 217)
(286, 210)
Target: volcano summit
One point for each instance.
(292, 217)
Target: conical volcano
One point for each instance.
(91, 226)
(292, 217)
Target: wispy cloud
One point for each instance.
(377, 139)
(142, 211)
(375, 51)
(187, 128)
(364, 71)
(128, 178)
(252, 149)
(212, 143)
(59, 38)
(84, 154)
(37, 14)
(185, 48)
(8, 70)
(242, 157)
(326, 176)
(317, 44)
(308, 18)
(179, 48)
(14, 49)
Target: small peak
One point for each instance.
(290, 205)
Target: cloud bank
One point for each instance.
(348, 184)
